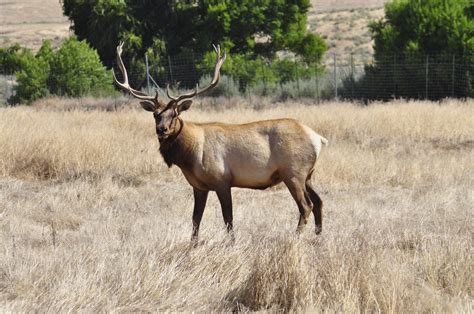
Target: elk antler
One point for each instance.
(125, 86)
(215, 80)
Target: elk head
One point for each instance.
(167, 114)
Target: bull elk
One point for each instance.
(218, 156)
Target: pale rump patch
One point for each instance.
(316, 139)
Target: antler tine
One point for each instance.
(168, 93)
(215, 79)
(125, 85)
(180, 97)
(219, 62)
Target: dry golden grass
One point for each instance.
(92, 220)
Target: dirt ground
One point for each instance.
(29, 22)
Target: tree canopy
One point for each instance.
(425, 27)
(74, 70)
(167, 27)
(423, 49)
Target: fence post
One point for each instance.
(426, 77)
(317, 86)
(147, 74)
(297, 79)
(352, 76)
(394, 78)
(335, 76)
(452, 75)
(264, 80)
(5, 92)
(170, 70)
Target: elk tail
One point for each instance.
(324, 140)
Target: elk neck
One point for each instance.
(178, 148)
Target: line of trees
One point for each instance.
(266, 40)
(251, 31)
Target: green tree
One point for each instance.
(242, 26)
(33, 74)
(12, 58)
(414, 36)
(249, 29)
(425, 27)
(76, 70)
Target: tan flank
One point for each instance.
(217, 156)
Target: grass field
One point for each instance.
(92, 220)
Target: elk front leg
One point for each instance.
(200, 199)
(225, 198)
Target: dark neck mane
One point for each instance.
(176, 149)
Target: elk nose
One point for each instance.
(161, 130)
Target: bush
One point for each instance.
(31, 80)
(260, 75)
(315, 87)
(263, 89)
(227, 86)
(12, 59)
(74, 70)
(33, 74)
(300, 88)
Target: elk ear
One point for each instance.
(184, 106)
(148, 105)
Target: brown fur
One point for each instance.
(217, 156)
(257, 155)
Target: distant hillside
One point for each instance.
(338, 5)
(343, 23)
(28, 22)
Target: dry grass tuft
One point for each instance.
(279, 278)
(92, 220)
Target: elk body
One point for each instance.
(217, 156)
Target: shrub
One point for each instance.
(227, 86)
(76, 70)
(33, 74)
(263, 89)
(11, 58)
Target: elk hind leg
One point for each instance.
(302, 199)
(317, 207)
